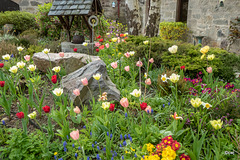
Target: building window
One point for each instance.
(182, 11)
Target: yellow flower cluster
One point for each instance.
(150, 147)
(151, 157)
(168, 153)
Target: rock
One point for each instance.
(71, 61)
(73, 81)
(69, 46)
(8, 28)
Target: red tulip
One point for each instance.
(97, 50)
(121, 35)
(2, 83)
(1, 65)
(182, 67)
(100, 40)
(75, 49)
(20, 115)
(101, 47)
(111, 108)
(143, 105)
(98, 37)
(54, 79)
(46, 109)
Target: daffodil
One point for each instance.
(136, 93)
(206, 105)
(6, 57)
(97, 76)
(216, 124)
(164, 78)
(174, 78)
(58, 91)
(20, 64)
(13, 69)
(196, 102)
(56, 69)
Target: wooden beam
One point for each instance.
(88, 26)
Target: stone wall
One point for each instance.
(30, 5)
(207, 18)
(112, 12)
(168, 10)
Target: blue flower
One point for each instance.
(67, 137)
(122, 157)
(147, 111)
(129, 135)
(88, 158)
(3, 122)
(112, 158)
(115, 153)
(65, 149)
(90, 133)
(120, 145)
(111, 135)
(98, 156)
(135, 155)
(124, 143)
(126, 115)
(130, 139)
(84, 126)
(12, 56)
(107, 133)
(60, 159)
(163, 105)
(98, 148)
(152, 111)
(64, 144)
(76, 155)
(73, 145)
(55, 157)
(95, 142)
(169, 103)
(112, 155)
(143, 157)
(104, 149)
(125, 136)
(79, 148)
(92, 145)
(121, 137)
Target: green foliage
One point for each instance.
(34, 49)
(7, 48)
(224, 64)
(173, 30)
(49, 26)
(21, 20)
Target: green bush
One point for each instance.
(21, 20)
(225, 64)
(173, 30)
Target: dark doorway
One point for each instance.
(8, 5)
(182, 11)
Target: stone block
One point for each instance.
(220, 22)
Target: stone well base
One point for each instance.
(69, 46)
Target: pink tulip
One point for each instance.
(148, 109)
(139, 64)
(74, 135)
(209, 69)
(119, 40)
(126, 68)
(84, 81)
(27, 58)
(97, 44)
(151, 60)
(124, 102)
(127, 55)
(114, 65)
(107, 45)
(61, 54)
(148, 81)
(77, 110)
(76, 92)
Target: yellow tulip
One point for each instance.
(204, 50)
(216, 124)
(13, 69)
(97, 76)
(196, 102)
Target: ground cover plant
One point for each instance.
(165, 112)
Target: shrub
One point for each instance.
(7, 48)
(34, 49)
(21, 20)
(173, 30)
(188, 55)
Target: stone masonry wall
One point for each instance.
(207, 18)
(168, 10)
(30, 5)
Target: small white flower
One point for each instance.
(136, 93)
(46, 51)
(20, 64)
(146, 42)
(145, 75)
(56, 69)
(173, 49)
(206, 105)
(58, 91)
(32, 67)
(6, 57)
(131, 53)
(20, 48)
(164, 78)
